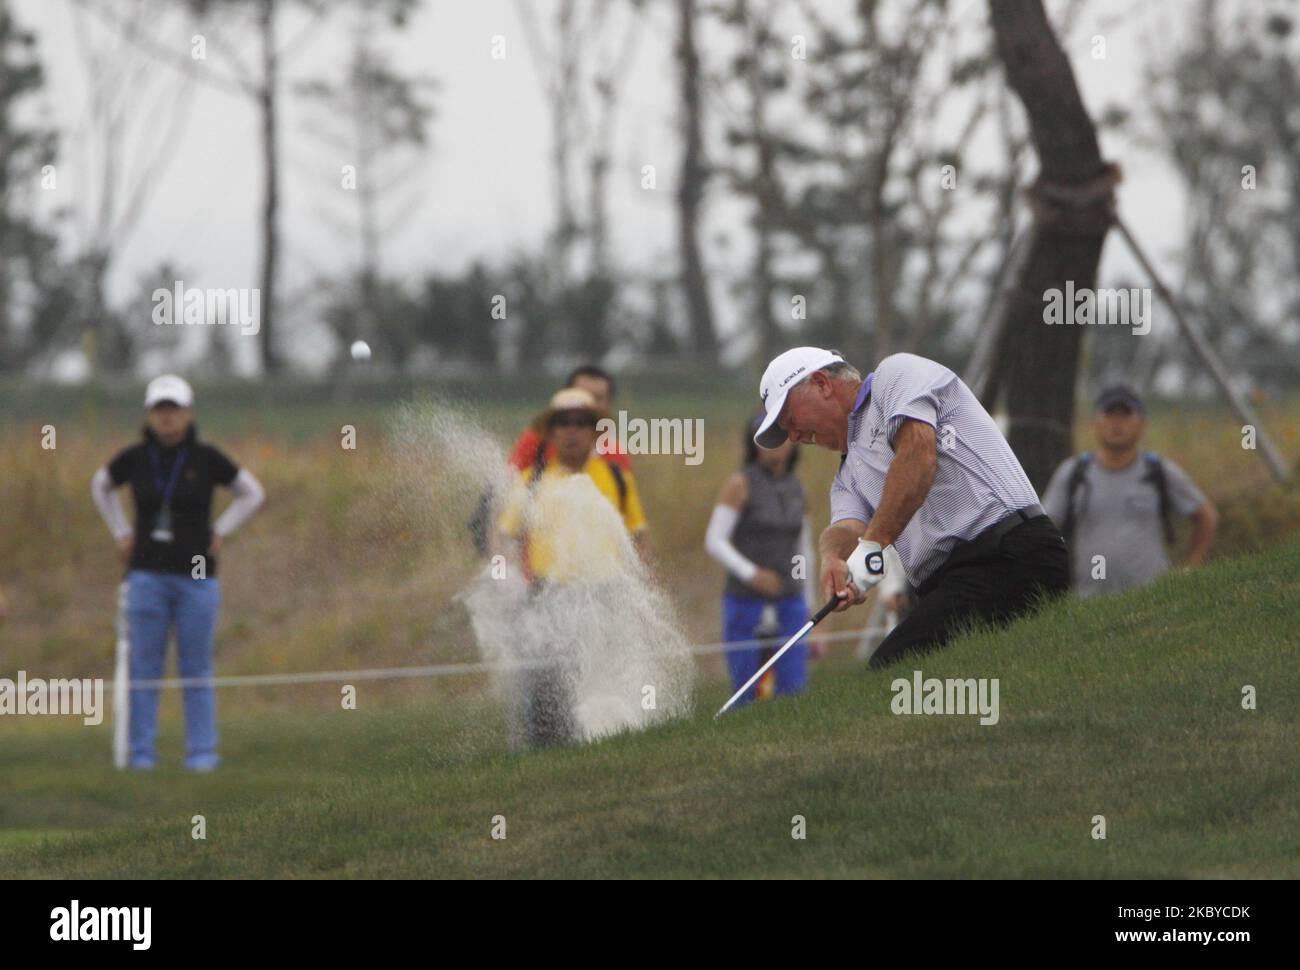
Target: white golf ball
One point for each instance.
(360, 350)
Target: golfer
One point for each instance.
(171, 558)
(567, 534)
(759, 532)
(1116, 506)
(924, 468)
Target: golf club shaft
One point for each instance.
(802, 632)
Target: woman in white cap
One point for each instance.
(171, 560)
(759, 531)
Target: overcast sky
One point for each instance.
(486, 181)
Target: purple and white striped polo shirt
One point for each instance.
(977, 479)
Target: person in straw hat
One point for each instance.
(566, 523)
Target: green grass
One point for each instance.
(1128, 708)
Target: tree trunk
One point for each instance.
(695, 284)
(96, 310)
(271, 363)
(768, 201)
(8, 352)
(564, 107)
(1072, 205)
(367, 140)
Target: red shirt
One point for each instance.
(525, 452)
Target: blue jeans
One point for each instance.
(740, 621)
(155, 603)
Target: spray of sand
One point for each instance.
(601, 624)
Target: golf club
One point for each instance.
(802, 632)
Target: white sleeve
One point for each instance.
(248, 499)
(101, 490)
(717, 541)
(811, 571)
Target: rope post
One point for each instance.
(121, 683)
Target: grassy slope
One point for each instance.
(356, 557)
(1128, 708)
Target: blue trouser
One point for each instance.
(155, 603)
(740, 621)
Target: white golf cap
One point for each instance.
(169, 387)
(782, 374)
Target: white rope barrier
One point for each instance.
(439, 670)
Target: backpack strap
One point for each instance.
(621, 481)
(539, 464)
(480, 523)
(1156, 476)
(1076, 483)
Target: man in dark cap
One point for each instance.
(1116, 506)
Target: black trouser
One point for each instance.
(992, 578)
(545, 689)
(548, 708)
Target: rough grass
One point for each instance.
(1127, 708)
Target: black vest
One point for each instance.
(767, 533)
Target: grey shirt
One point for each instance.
(977, 481)
(1117, 516)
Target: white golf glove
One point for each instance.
(866, 565)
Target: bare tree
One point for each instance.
(583, 60)
(126, 142)
(876, 170)
(756, 70)
(1072, 204)
(838, 148)
(377, 119)
(217, 21)
(693, 180)
(25, 148)
(1223, 107)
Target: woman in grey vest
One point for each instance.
(760, 534)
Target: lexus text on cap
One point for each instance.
(782, 374)
(1118, 394)
(171, 388)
